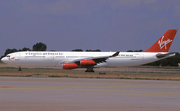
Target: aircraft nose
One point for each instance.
(4, 59)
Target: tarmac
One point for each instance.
(79, 94)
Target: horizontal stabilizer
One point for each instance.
(159, 55)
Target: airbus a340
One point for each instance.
(90, 60)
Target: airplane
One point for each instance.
(72, 60)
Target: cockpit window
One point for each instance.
(8, 56)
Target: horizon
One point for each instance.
(108, 25)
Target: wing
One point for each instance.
(99, 59)
(103, 59)
(86, 62)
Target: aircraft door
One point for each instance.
(17, 57)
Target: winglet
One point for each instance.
(164, 42)
(115, 54)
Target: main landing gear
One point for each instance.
(89, 69)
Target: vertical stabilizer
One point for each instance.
(164, 42)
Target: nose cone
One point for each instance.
(4, 59)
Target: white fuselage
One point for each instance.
(71, 60)
(56, 59)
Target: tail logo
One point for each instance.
(163, 44)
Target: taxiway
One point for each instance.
(77, 94)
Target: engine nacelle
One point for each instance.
(87, 63)
(70, 65)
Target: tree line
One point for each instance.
(39, 47)
(172, 61)
(80, 50)
(36, 47)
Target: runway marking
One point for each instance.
(94, 87)
(5, 86)
(128, 90)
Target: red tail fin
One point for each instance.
(164, 43)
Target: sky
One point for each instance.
(108, 25)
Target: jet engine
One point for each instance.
(70, 65)
(87, 63)
(83, 63)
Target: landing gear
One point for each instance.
(19, 69)
(89, 70)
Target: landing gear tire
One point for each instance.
(89, 70)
